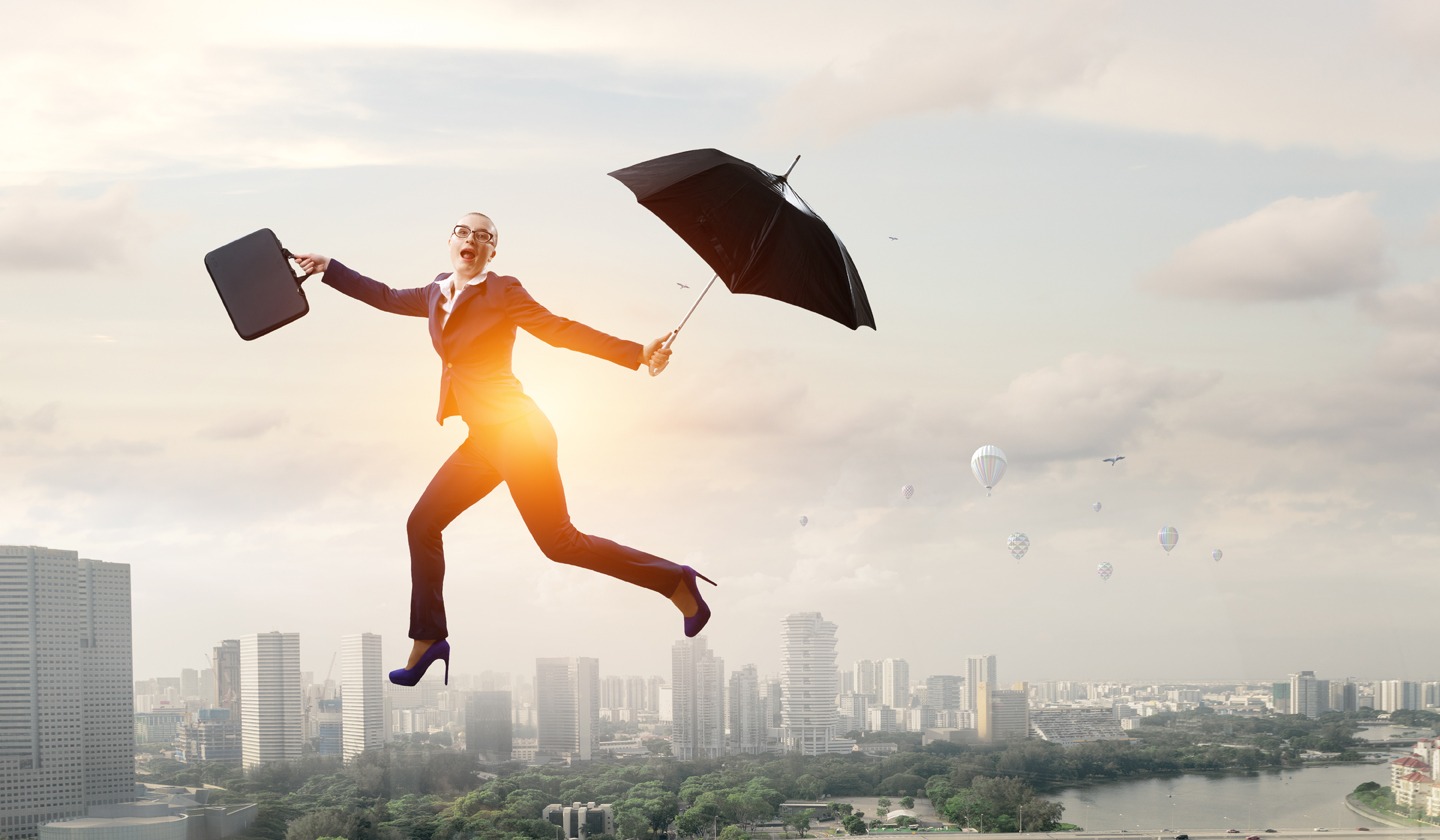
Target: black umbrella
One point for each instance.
(753, 229)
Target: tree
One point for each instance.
(809, 787)
(907, 802)
(800, 821)
(854, 823)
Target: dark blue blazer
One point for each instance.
(476, 344)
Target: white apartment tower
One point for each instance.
(272, 720)
(567, 699)
(362, 695)
(978, 669)
(698, 697)
(867, 679)
(67, 722)
(1305, 697)
(895, 683)
(809, 684)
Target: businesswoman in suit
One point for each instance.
(473, 315)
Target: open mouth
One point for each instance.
(467, 253)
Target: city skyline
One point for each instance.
(1082, 236)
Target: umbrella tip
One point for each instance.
(791, 169)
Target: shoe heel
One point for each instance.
(447, 668)
(707, 580)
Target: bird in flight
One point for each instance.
(1112, 461)
(894, 238)
(681, 285)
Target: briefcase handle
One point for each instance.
(299, 278)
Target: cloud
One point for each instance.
(972, 62)
(42, 420)
(1415, 306)
(244, 427)
(1431, 233)
(1084, 406)
(43, 229)
(1293, 249)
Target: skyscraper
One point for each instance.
(698, 698)
(1396, 695)
(567, 693)
(895, 683)
(362, 694)
(809, 684)
(978, 669)
(867, 680)
(272, 711)
(747, 716)
(227, 676)
(67, 725)
(943, 700)
(1002, 714)
(1305, 695)
(489, 732)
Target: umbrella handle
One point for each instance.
(674, 334)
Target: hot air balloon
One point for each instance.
(1096, 506)
(907, 491)
(1018, 544)
(1104, 570)
(988, 464)
(1168, 537)
(804, 520)
(1216, 555)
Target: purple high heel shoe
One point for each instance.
(695, 623)
(411, 676)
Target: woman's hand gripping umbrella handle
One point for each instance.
(661, 357)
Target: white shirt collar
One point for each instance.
(447, 283)
(452, 294)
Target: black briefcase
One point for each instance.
(256, 283)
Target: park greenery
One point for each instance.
(424, 790)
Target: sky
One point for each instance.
(1205, 236)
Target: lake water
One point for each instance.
(1303, 798)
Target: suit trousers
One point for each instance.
(522, 454)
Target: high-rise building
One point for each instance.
(272, 711)
(1002, 714)
(747, 715)
(213, 735)
(329, 726)
(978, 669)
(612, 693)
(895, 683)
(67, 725)
(1396, 695)
(1305, 695)
(637, 694)
(809, 685)
(489, 733)
(867, 680)
(362, 692)
(943, 700)
(567, 692)
(227, 677)
(698, 698)
(1343, 696)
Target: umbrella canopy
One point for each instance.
(758, 235)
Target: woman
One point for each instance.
(473, 314)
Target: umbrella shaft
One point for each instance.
(671, 339)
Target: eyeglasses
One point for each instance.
(484, 237)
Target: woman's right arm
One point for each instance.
(337, 275)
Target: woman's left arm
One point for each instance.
(557, 331)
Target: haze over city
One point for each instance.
(1205, 237)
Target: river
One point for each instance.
(1302, 798)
